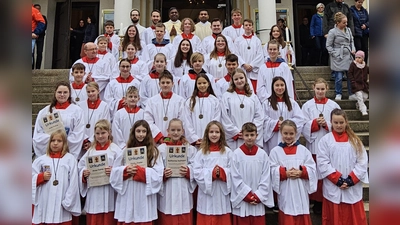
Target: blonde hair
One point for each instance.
(102, 124)
(320, 80)
(339, 16)
(354, 140)
(236, 10)
(65, 148)
(101, 38)
(232, 85)
(193, 25)
(132, 90)
(195, 57)
(182, 139)
(289, 123)
(205, 143)
(94, 85)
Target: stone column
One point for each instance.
(267, 18)
(122, 8)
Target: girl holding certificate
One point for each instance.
(212, 173)
(72, 119)
(175, 200)
(55, 191)
(137, 186)
(100, 199)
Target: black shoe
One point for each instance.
(317, 208)
(344, 78)
(275, 209)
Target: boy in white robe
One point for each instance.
(163, 107)
(127, 116)
(113, 39)
(103, 54)
(78, 86)
(272, 68)
(160, 45)
(249, 49)
(251, 180)
(236, 29)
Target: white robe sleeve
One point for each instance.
(239, 188)
(76, 133)
(117, 172)
(226, 112)
(264, 190)
(269, 123)
(36, 167)
(154, 177)
(264, 82)
(311, 170)
(275, 165)
(72, 201)
(40, 139)
(83, 187)
(323, 157)
(149, 117)
(202, 175)
(188, 124)
(258, 119)
(361, 167)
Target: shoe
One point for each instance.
(353, 97)
(338, 97)
(364, 113)
(275, 209)
(317, 208)
(344, 78)
(357, 106)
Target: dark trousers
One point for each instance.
(361, 43)
(321, 54)
(306, 56)
(39, 54)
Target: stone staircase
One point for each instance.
(43, 83)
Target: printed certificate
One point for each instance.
(96, 165)
(136, 156)
(52, 122)
(176, 157)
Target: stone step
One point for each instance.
(300, 85)
(304, 94)
(43, 88)
(359, 126)
(36, 107)
(344, 103)
(49, 80)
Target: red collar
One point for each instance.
(102, 52)
(270, 64)
(214, 147)
(290, 150)
(192, 75)
(203, 95)
(220, 53)
(240, 92)
(56, 155)
(187, 36)
(77, 86)
(93, 105)
(236, 26)
(153, 27)
(108, 35)
(280, 99)
(134, 60)
(215, 35)
(169, 141)
(154, 74)
(62, 105)
(248, 37)
(322, 101)
(343, 137)
(87, 60)
(120, 79)
(168, 96)
(105, 147)
(228, 77)
(132, 110)
(249, 151)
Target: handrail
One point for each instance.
(304, 83)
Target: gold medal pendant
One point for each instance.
(281, 118)
(321, 115)
(77, 99)
(55, 182)
(88, 126)
(242, 106)
(220, 65)
(248, 47)
(165, 118)
(201, 116)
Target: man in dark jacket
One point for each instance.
(331, 9)
(306, 43)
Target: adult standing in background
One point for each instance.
(317, 34)
(173, 24)
(281, 24)
(38, 24)
(39, 44)
(203, 28)
(236, 29)
(329, 15)
(306, 43)
(361, 27)
(135, 17)
(76, 40)
(90, 33)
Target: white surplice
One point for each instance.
(122, 124)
